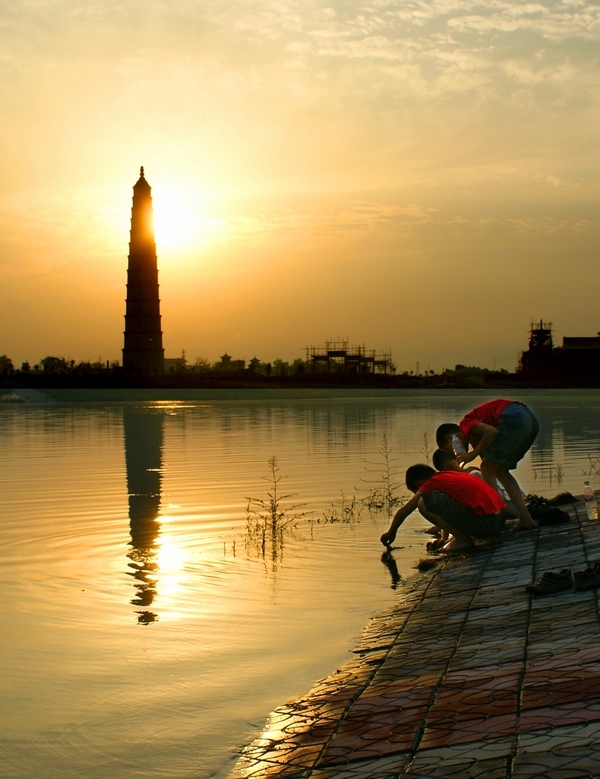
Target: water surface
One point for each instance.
(144, 632)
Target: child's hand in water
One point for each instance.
(388, 538)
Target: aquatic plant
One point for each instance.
(382, 486)
(343, 510)
(426, 449)
(268, 518)
(556, 473)
(594, 467)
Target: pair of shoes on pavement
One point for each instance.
(551, 582)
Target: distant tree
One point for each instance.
(6, 366)
(25, 367)
(280, 367)
(88, 368)
(298, 367)
(201, 365)
(54, 365)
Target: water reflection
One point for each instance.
(388, 560)
(143, 434)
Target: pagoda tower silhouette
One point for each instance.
(143, 352)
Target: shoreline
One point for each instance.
(127, 395)
(468, 675)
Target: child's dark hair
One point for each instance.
(418, 473)
(443, 431)
(441, 458)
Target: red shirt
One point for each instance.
(468, 490)
(488, 412)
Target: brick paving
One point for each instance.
(466, 676)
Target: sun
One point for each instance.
(180, 218)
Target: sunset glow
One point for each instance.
(180, 221)
(380, 160)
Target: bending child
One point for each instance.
(501, 432)
(463, 507)
(446, 461)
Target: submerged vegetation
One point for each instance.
(268, 519)
(343, 510)
(382, 484)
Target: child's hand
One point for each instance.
(388, 538)
(466, 457)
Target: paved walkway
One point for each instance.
(467, 676)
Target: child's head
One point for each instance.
(416, 475)
(443, 435)
(445, 461)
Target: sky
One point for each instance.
(418, 176)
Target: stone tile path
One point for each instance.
(467, 676)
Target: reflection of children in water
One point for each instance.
(388, 560)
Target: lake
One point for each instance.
(148, 627)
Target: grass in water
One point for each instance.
(269, 518)
(382, 484)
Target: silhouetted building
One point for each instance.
(579, 358)
(143, 352)
(175, 364)
(339, 356)
(577, 361)
(227, 363)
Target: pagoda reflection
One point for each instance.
(143, 433)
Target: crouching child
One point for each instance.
(464, 508)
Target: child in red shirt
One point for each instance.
(460, 505)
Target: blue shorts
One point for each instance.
(517, 430)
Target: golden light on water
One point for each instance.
(170, 557)
(170, 560)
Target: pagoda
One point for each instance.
(143, 352)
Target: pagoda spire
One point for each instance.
(143, 352)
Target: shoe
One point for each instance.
(551, 582)
(588, 578)
(562, 574)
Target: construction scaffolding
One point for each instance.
(538, 360)
(337, 356)
(540, 335)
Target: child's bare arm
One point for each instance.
(399, 517)
(486, 434)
